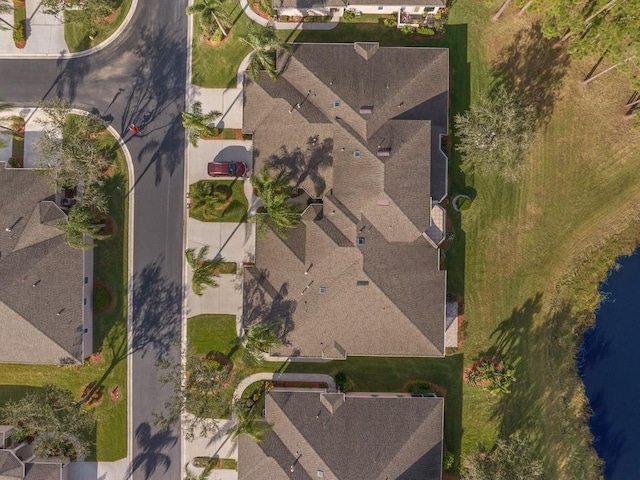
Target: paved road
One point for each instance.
(140, 77)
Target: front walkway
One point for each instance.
(289, 25)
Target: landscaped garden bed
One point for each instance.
(82, 32)
(215, 463)
(17, 142)
(19, 23)
(218, 201)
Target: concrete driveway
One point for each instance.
(226, 298)
(229, 101)
(235, 242)
(218, 151)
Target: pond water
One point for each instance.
(608, 362)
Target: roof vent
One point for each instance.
(357, 154)
(383, 152)
(360, 240)
(366, 109)
(320, 474)
(323, 290)
(336, 103)
(362, 283)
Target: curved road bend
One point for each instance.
(139, 78)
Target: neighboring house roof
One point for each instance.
(45, 469)
(355, 436)
(10, 466)
(330, 118)
(41, 277)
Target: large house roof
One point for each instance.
(360, 126)
(315, 4)
(41, 278)
(10, 466)
(354, 436)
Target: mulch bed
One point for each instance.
(109, 18)
(207, 41)
(474, 365)
(439, 391)
(91, 394)
(111, 304)
(265, 15)
(18, 3)
(284, 384)
(114, 394)
(95, 358)
(110, 227)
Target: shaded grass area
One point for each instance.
(82, 32)
(217, 333)
(110, 257)
(235, 210)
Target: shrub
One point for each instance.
(425, 31)
(448, 459)
(101, 299)
(216, 35)
(408, 30)
(463, 203)
(342, 382)
(420, 388)
(391, 21)
(19, 33)
(14, 163)
(348, 16)
(201, 462)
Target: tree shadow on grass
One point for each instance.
(534, 68)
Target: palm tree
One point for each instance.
(197, 123)
(248, 422)
(263, 41)
(4, 106)
(80, 222)
(210, 11)
(278, 215)
(258, 340)
(207, 199)
(189, 475)
(204, 269)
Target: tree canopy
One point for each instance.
(197, 123)
(495, 133)
(204, 269)
(278, 214)
(54, 418)
(264, 42)
(210, 12)
(80, 222)
(196, 394)
(510, 459)
(257, 341)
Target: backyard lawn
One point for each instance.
(109, 333)
(234, 211)
(82, 33)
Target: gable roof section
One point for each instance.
(41, 278)
(10, 466)
(365, 437)
(332, 110)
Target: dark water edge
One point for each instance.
(609, 363)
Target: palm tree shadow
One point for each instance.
(152, 446)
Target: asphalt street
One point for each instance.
(138, 78)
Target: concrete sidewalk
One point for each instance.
(98, 470)
(45, 34)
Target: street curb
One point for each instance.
(84, 53)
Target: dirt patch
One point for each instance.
(110, 304)
(95, 358)
(238, 132)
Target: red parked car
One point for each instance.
(232, 169)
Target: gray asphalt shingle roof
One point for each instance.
(48, 316)
(355, 437)
(10, 466)
(386, 296)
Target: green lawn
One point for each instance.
(109, 333)
(19, 17)
(78, 28)
(236, 209)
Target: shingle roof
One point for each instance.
(305, 4)
(44, 471)
(10, 466)
(312, 122)
(353, 436)
(42, 323)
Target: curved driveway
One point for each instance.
(140, 77)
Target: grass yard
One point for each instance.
(235, 210)
(109, 333)
(82, 33)
(528, 257)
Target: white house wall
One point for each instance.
(304, 12)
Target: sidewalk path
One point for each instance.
(285, 377)
(289, 25)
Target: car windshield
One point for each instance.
(232, 168)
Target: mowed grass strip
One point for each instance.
(82, 33)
